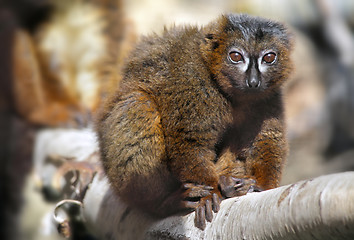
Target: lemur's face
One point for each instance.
(254, 55)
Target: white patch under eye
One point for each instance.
(262, 67)
(244, 66)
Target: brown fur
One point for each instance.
(70, 61)
(181, 115)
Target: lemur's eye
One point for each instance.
(269, 58)
(236, 57)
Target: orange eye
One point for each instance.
(235, 57)
(269, 58)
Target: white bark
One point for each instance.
(321, 208)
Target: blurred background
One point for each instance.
(60, 58)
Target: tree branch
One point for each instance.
(320, 208)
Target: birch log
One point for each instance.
(320, 208)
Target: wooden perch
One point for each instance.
(320, 208)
